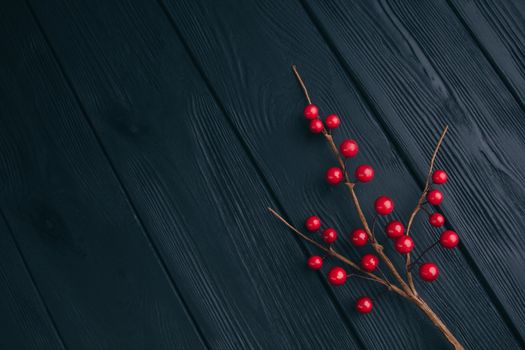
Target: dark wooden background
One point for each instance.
(142, 141)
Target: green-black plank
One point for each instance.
(422, 69)
(243, 278)
(244, 50)
(24, 321)
(499, 28)
(97, 273)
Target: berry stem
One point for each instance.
(420, 201)
(305, 90)
(426, 250)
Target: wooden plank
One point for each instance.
(24, 321)
(421, 69)
(499, 29)
(90, 259)
(190, 179)
(245, 50)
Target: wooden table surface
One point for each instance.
(142, 141)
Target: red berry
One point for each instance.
(384, 205)
(329, 235)
(394, 229)
(311, 111)
(449, 239)
(436, 220)
(316, 126)
(315, 262)
(349, 148)
(435, 197)
(313, 223)
(359, 237)
(334, 175)
(369, 262)
(364, 305)
(332, 121)
(337, 276)
(428, 272)
(364, 173)
(404, 244)
(439, 177)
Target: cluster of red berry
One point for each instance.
(383, 206)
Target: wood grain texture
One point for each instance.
(24, 321)
(420, 68)
(499, 28)
(100, 279)
(190, 179)
(264, 104)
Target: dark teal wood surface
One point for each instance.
(141, 143)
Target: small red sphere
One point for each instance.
(337, 276)
(369, 262)
(313, 223)
(334, 175)
(449, 239)
(332, 121)
(435, 197)
(364, 305)
(316, 126)
(384, 205)
(364, 173)
(436, 219)
(359, 237)
(311, 111)
(315, 262)
(394, 229)
(404, 244)
(349, 148)
(439, 177)
(428, 272)
(329, 235)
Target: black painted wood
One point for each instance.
(100, 279)
(191, 181)
(499, 29)
(141, 142)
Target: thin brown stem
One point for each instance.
(426, 250)
(419, 203)
(305, 90)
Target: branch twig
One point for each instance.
(420, 201)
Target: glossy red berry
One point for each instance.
(364, 305)
(404, 244)
(394, 229)
(369, 262)
(316, 126)
(364, 173)
(439, 177)
(384, 205)
(329, 235)
(428, 272)
(449, 239)
(436, 219)
(435, 197)
(315, 262)
(311, 111)
(358, 237)
(313, 223)
(334, 175)
(337, 276)
(332, 121)
(349, 148)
